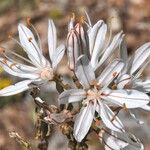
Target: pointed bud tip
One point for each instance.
(29, 21)
(73, 16)
(82, 20)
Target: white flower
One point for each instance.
(40, 69)
(96, 94)
(119, 141)
(91, 42)
(134, 66)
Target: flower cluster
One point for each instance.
(102, 85)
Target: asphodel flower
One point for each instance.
(38, 70)
(90, 41)
(97, 96)
(134, 66)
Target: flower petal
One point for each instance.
(123, 51)
(93, 35)
(134, 116)
(73, 48)
(139, 57)
(98, 44)
(73, 95)
(128, 98)
(111, 141)
(83, 121)
(19, 70)
(83, 39)
(142, 85)
(109, 119)
(30, 46)
(114, 44)
(124, 55)
(110, 72)
(123, 80)
(16, 88)
(84, 71)
(146, 107)
(58, 55)
(52, 37)
(119, 141)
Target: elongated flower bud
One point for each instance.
(77, 41)
(73, 48)
(83, 37)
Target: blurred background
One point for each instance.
(17, 112)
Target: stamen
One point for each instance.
(19, 56)
(38, 37)
(15, 54)
(33, 44)
(25, 51)
(115, 115)
(88, 19)
(39, 65)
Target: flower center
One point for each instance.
(93, 94)
(47, 74)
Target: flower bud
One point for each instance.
(77, 42)
(83, 37)
(73, 48)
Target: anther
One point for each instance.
(125, 107)
(11, 66)
(30, 39)
(93, 82)
(2, 50)
(115, 74)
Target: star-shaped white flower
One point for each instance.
(134, 66)
(96, 96)
(40, 69)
